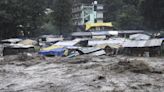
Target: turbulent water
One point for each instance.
(81, 74)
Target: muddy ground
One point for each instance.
(21, 73)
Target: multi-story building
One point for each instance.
(83, 13)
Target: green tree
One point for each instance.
(112, 9)
(20, 15)
(62, 15)
(130, 17)
(7, 25)
(124, 14)
(31, 15)
(153, 12)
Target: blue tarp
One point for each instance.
(55, 52)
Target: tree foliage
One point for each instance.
(19, 16)
(153, 12)
(125, 14)
(62, 15)
(28, 16)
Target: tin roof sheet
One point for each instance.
(143, 43)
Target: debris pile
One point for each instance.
(134, 43)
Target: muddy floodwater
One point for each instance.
(81, 74)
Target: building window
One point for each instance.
(100, 7)
(99, 15)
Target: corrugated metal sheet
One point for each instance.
(140, 37)
(143, 43)
(118, 41)
(112, 32)
(73, 47)
(99, 33)
(68, 43)
(130, 31)
(89, 50)
(109, 45)
(54, 39)
(99, 37)
(20, 46)
(98, 53)
(12, 40)
(81, 34)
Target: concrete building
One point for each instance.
(83, 13)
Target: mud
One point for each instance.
(81, 74)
